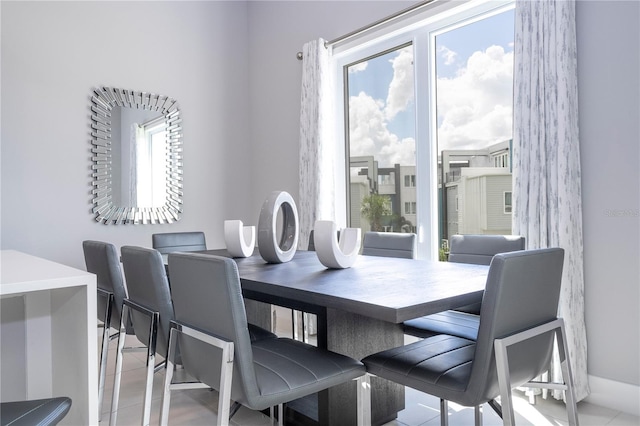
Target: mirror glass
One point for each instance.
(137, 157)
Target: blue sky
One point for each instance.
(474, 69)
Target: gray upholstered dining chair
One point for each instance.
(389, 244)
(102, 260)
(518, 324)
(150, 308)
(41, 412)
(169, 242)
(463, 321)
(212, 330)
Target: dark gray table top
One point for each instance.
(389, 289)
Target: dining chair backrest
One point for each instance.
(480, 249)
(102, 260)
(169, 242)
(208, 297)
(148, 286)
(522, 291)
(389, 244)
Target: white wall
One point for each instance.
(232, 67)
(609, 92)
(54, 53)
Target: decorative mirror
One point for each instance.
(136, 157)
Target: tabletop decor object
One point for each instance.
(332, 253)
(240, 239)
(271, 248)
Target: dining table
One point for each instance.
(360, 311)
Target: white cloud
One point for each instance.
(358, 67)
(369, 133)
(401, 87)
(447, 54)
(475, 106)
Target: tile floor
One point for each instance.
(198, 407)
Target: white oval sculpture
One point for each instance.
(271, 248)
(240, 239)
(331, 252)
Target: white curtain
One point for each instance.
(316, 148)
(546, 157)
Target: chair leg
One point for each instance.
(502, 365)
(444, 412)
(363, 398)
(572, 410)
(234, 409)
(226, 374)
(104, 351)
(168, 378)
(151, 356)
(504, 382)
(118, 373)
(477, 411)
(272, 413)
(103, 370)
(496, 407)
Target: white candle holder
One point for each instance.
(240, 239)
(331, 252)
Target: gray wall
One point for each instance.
(608, 75)
(233, 69)
(54, 53)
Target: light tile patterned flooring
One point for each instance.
(198, 407)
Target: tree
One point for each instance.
(373, 208)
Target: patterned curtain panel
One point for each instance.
(546, 157)
(316, 153)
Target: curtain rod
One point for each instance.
(379, 22)
(374, 24)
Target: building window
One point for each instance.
(507, 202)
(444, 85)
(410, 181)
(410, 207)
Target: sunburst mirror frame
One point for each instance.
(103, 100)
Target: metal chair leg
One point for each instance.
(477, 415)
(118, 373)
(225, 412)
(572, 411)
(151, 356)
(104, 351)
(151, 351)
(502, 366)
(444, 412)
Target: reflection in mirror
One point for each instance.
(137, 157)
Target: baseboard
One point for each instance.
(615, 395)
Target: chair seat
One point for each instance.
(288, 367)
(41, 412)
(455, 323)
(438, 365)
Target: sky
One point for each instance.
(474, 68)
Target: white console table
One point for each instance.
(59, 355)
